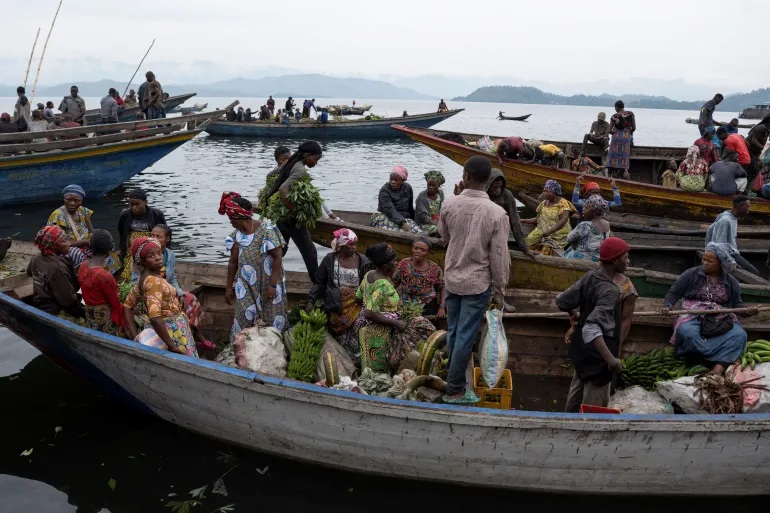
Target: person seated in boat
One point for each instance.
(247, 117)
(692, 172)
(337, 281)
(724, 231)
(429, 202)
(509, 148)
(599, 134)
(135, 222)
(708, 150)
(54, 288)
(103, 310)
(255, 278)
(552, 222)
(587, 237)
(732, 126)
(264, 114)
(531, 149)
(48, 113)
(727, 177)
(67, 122)
(297, 114)
(498, 192)
(442, 106)
(584, 165)
(395, 205)
(131, 100)
(716, 340)
(601, 305)
(231, 115)
(158, 301)
(324, 116)
(239, 115)
(737, 144)
(551, 155)
(7, 127)
(592, 188)
(37, 124)
(419, 280)
(669, 177)
(405, 114)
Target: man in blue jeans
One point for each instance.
(476, 266)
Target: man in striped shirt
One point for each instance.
(477, 264)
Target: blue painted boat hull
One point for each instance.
(98, 169)
(378, 129)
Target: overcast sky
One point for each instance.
(559, 41)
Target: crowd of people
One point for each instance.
(289, 113)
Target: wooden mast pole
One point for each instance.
(137, 68)
(40, 64)
(31, 54)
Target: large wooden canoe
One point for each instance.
(346, 129)
(524, 449)
(544, 273)
(94, 117)
(638, 197)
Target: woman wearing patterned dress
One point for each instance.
(429, 202)
(692, 171)
(135, 223)
(255, 279)
(622, 127)
(103, 311)
(552, 222)
(421, 281)
(589, 234)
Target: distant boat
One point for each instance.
(694, 121)
(94, 117)
(512, 118)
(198, 107)
(345, 110)
(344, 129)
(756, 112)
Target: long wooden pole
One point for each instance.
(565, 315)
(137, 68)
(31, 54)
(42, 55)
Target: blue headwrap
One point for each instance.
(553, 186)
(74, 189)
(709, 130)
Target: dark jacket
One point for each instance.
(421, 214)
(128, 223)
(54, 288)
(693, 279)
(396, 205)
(508, 202)
(326, 280)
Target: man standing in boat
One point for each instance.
(477, 262)
(271, 105)
(594, 303)
(706, 118)
(73, 105)
(151, 97)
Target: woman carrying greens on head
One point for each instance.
(429, 202)
(136, 222)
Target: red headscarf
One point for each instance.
(592, 186)
(140, 247)
(47, 238)
(228, 205)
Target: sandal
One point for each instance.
(469, 398)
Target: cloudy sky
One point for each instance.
(703, 42)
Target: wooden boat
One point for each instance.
(98, 159)
(641, 197)
(346, 129)
(694, 121)
(544, 273)
(514, 449)
(756, 112)
(94, 117)
(346, 110)
(198, 107)
(513, 118)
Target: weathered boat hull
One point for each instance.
(638, 197)
(98, 169)
(93, 116)
(358, 129)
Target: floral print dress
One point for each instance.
(79, 231)
(374, 339)
(418, 286)
(547, 217)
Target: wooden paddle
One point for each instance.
(565, 315)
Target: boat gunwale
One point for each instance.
(468, 415)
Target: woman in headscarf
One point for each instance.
(54, 289)
(158, 297)
(103, 311)
(395, 204)
(708, 151)
(136, 222)
(589, 234)
(419, 280)
(429, 202)
(714, 340)
(622, 127)
(255, 279)
(338, 278)
(692, 171)
(552, 222)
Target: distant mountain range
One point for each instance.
(532, 95)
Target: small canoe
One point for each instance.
(638, 197)
(543, 273)
(694, 121)
(520, 449)
(513, 118)
(312, 129)
(93, 116)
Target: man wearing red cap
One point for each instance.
(591, 189)
(599, 326)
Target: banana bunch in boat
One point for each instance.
(756, 352)
(306, 199)
(308, 343)
(657, 365)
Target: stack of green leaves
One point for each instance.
(305, 198)
(123, 290)
(262, 198)
(308, 343)
(408, 310)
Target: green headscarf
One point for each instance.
(435, 176)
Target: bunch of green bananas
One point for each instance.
(308, 343)
(306, 199)
(756, 352)
(657, 365)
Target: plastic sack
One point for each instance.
(681, 392)
(486, 144)
(261, 349)
(637, 400)
(150, 338)
(754, 400)
(493, 353)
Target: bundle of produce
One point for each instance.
(756, 352)
(306, 200)
(123, 290)
(308, 343)
(262, 198)
(657, 365)
(408, 310)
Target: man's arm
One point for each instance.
(569, 300)
(615, 197)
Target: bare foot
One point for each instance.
(718, 369)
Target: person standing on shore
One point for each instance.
(477, 262)
(706, 118)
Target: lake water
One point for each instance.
(79, 443)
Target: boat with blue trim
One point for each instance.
(527, 450)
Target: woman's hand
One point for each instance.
(612, 182)
(751, 311)
(400, 325)
(182, 304)
(665, 311)
(229, 295)
(271, 291)
(441, 313)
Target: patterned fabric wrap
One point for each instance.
(381, 221)
(47, 238)
(193, 309)
(181, 336)
(99, 318)
(418, 286)
(404, 342)
(128, 261)
(547, 217)
(435, 176)
(619, 153)
(553, 186)
(434, 209)
(228, 206)
(374, 340)
(343, 237)
(400, 171)
(597, 204)
(351, 309)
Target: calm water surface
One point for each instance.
(78, 443)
